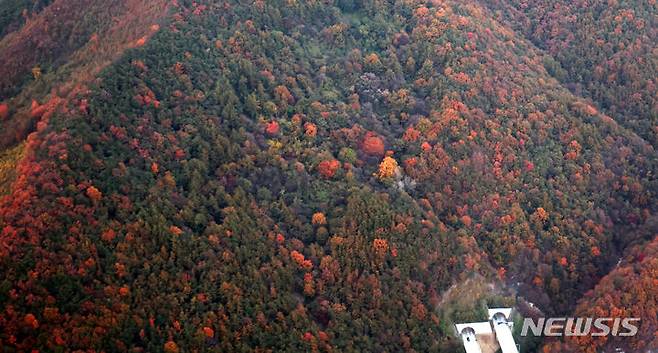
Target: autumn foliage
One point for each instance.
(373, 144)
(310, 129)
(4, 111)
(272, 128)
(301, 260)
(380, 246)
(319, 219)
(328, 168)
(171, 347)
(94, 194)
(387, 168)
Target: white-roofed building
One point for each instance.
(499, 325)
(479, 328)
(470, 340)
(507, 312)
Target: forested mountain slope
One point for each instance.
(59, 48)
(292, 176)
(13, 14)
(628, 291)
(602, 49)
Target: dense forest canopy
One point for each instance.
(337, 176)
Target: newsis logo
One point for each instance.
(581, 326)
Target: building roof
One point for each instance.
(498, 323)
(470, 341)
(505, 311)
(504, 337)
(480, 328)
